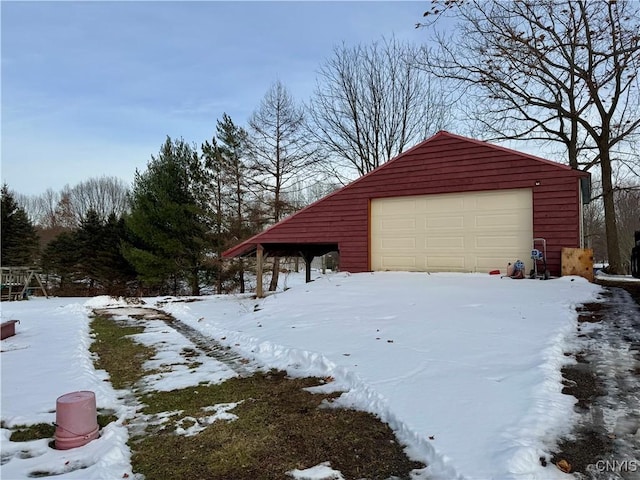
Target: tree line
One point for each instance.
(561, 73)
(166, 234)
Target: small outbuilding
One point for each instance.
(448, 204)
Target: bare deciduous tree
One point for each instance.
(628, 211)
(104, 195)
(593, 229)
(69, 207)
(564, 71)
(371, 102)
(627, 203)
(280, 149)
(41, 209)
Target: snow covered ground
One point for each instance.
(464, 367)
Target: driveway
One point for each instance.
(606, 383)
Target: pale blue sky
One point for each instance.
(93, 88)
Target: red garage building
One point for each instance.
(448, 204)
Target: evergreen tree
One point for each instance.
(61, 257)
(168, 220)
(91, 256)
(114, 271)
(225, 158)
(90, 242)
(233, 150)
(18, 236)
(216, 190)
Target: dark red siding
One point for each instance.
(445, 163)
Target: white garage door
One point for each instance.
(468, 232)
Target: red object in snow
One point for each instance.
(494, 272)
(76, 420)
(8, 329)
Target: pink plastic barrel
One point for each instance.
(76, 420)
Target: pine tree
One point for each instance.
(114, 271)
(18, 236)
(89, 241)
(168, 220)
(90, 255)
(61, 258)
(233, 150)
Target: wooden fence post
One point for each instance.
(259, 267)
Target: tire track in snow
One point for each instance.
(210, 346)
(207, 345)
(138, 423)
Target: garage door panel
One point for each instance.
(394, 206)
(504, 220)
(451, 263)
(473, 231)
(444, 204)
(397, 262)
(444, 222)
(394, 224)
(444, 243)
(399, 243)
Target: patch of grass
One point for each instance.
(105, 419)
(193, 399)
(280, 427)
(38, 431)
(26, 433)
(118, 354)
(41, 474)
